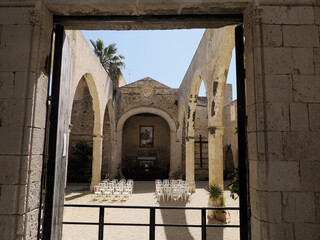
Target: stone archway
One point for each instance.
(97, 127)
(108, 139)
(80, 140)
(145, 148)
(174, 144)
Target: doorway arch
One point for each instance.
(153, 111)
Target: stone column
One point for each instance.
(116, 157)
(175, 154)
(190, 160)
(96, 161)
(215, 155)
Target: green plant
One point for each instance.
(215, 191)
(80, 163)
(222, 202)
(234, 186)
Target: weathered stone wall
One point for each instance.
(201, 128)
(230, 137)
(82, 116)
(283, 106)
(148, 92)
(25, 37)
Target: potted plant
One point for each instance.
(216, 199)
(221, 215)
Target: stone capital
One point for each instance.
(213, 130)
(253, 15)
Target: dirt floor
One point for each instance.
(143, 195)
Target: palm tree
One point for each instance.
(111, 62)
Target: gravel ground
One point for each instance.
(143, 195)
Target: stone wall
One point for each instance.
(25, 38)
(283, 105)
(201, 128)
(230, 137)
(148, 92)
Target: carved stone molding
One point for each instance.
(252, 16)
(36, 17)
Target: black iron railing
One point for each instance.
(152, 217)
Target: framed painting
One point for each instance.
(146, 136)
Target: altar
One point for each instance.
(146, 162)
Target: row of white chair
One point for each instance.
(116, 190)
(172, 190)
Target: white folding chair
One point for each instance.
(97, 192)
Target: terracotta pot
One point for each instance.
(221, 216)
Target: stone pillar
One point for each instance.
(175, 155)
(96, 161)
(190, 161)
(116, 157)
(282, 97)
(215, 155)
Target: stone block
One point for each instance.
(298, 207)
(15, 15)
(260, 116)
(281, 231)
(272, 35)
(310, 176)
(41, 100)
(277, 116)
(252, 125)
(34, 196)
(303, 60)
(258, 174)
(307, 231)
(306, 88)
(275, 146)
(10, 137)
(6, 85)
(24, 85)
(252, 146)
(16, 54)
(278, 88)
(299, 117)
(317, 15)
(316, 55)
(317, 206)
(7, 226)
(287, 15)
(284, 176)
(266, 206)
(8, 199)
(36, 168)
(32, 224)
(10, 169)
(278, 60)
(314, 116)
(15, 112)
(38, 141)
(308, 143)
(300, 36)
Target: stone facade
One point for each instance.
(282, 73)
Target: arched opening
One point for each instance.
(80, 143)
(145, 147)
(201, 163)
(107, 148)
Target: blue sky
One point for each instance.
(163, 55)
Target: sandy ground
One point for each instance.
(143, 195)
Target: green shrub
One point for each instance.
(80, 163)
